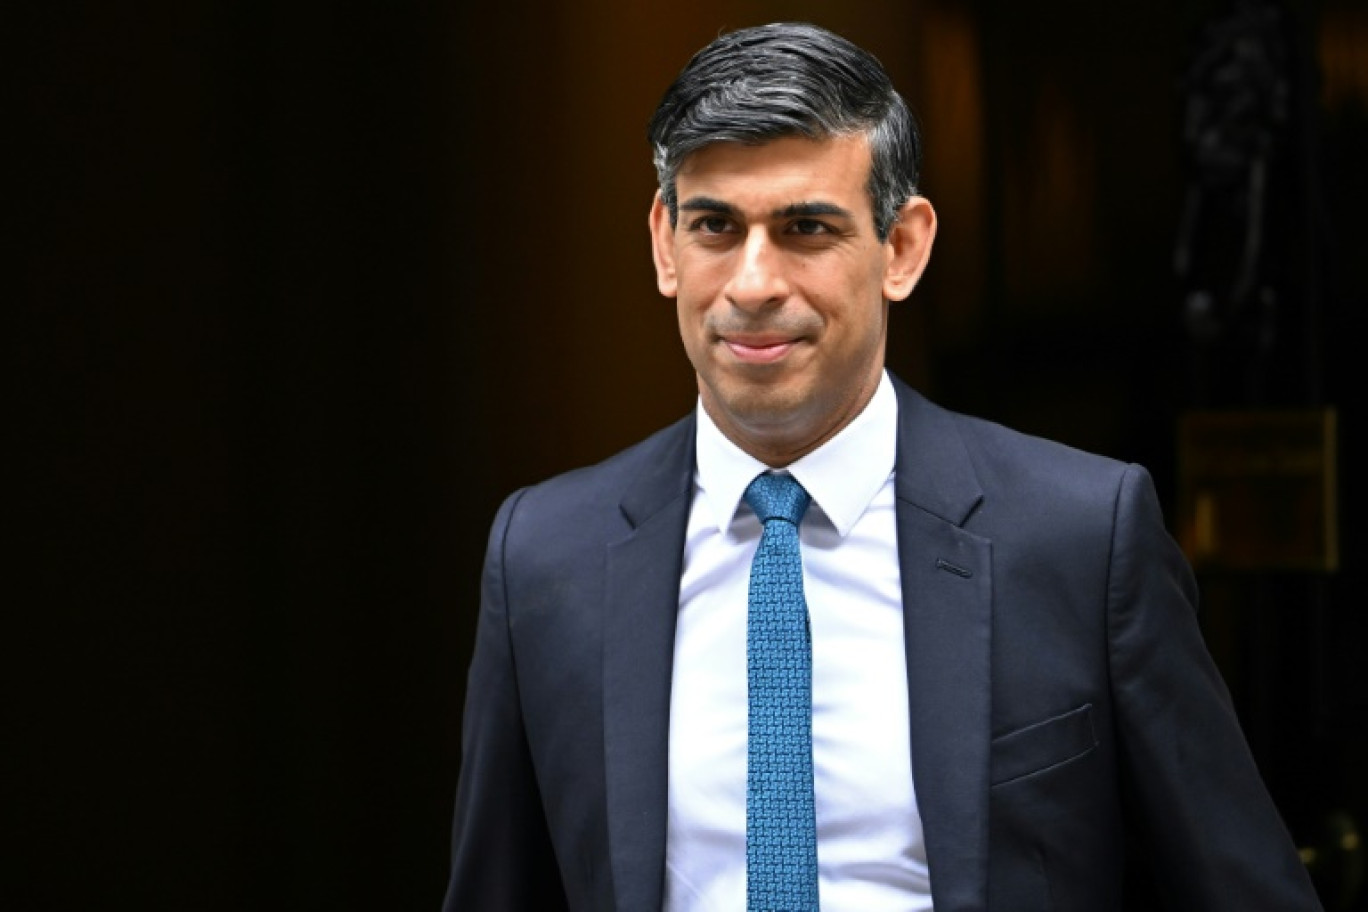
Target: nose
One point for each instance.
(758, 277)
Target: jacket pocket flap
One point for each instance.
(1043, 745)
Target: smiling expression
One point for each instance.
(782, 285)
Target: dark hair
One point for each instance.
(788, 78)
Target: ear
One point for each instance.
(909, 247)
(662, 247)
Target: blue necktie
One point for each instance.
(781, 818)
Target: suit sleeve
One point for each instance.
(501, 857)
(1205, 820)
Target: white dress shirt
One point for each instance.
(870, 852)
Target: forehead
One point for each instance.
(785, 170)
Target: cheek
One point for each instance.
(690, 319)
(694, 299)
(693, 336)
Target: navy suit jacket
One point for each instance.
(1075, 746)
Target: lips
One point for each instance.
(759, 350)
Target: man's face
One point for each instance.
(782, 285)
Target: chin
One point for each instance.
(760, 407)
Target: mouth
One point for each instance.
(759, 350)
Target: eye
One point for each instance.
(809, 227)
(710, 224)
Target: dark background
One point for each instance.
(300, 291)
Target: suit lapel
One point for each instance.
(643, 572)
(947, 589)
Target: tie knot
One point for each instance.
(777, 497)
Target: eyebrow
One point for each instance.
(794, 210)
(811, 209)
(706, 204)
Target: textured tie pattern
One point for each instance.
(781, 819)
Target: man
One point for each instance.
(1006, 703)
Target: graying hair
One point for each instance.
(755, 85)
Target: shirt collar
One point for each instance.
(842, 475)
